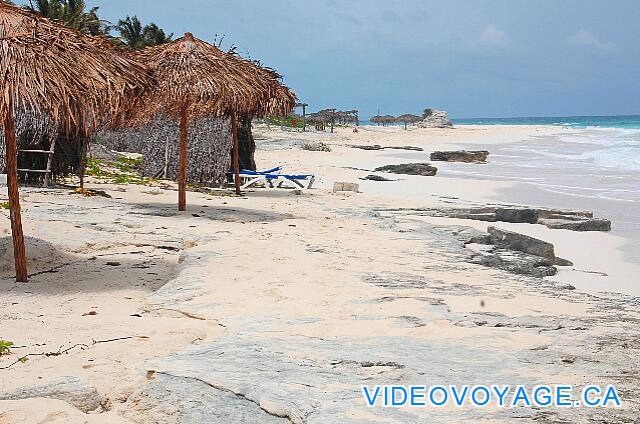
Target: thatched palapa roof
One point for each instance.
(194, 74)
(408, 118)
(78, 82)
(385, 119)
(196, 80)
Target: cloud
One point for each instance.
(584, 38)
(491, 36)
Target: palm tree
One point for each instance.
(154, 35)
(137, 37)
(72, 14)
(131, 34)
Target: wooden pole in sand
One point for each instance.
(182, 178)
(19, 252)
(236, 153)
(83, 157)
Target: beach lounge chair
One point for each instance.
(272, 178)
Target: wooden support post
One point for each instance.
(19, 251)
(83, 157)
(236, 152)
(182, 178)
(304, 118)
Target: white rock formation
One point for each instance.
(434, 119)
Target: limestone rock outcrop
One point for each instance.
(72, 390)
(434, 119)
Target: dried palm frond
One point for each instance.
(194, 75)
(77, 82)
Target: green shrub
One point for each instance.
(5, 347)
(291, 121)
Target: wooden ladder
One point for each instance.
(47, 171)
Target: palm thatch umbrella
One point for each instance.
(196, 80)
(408, 119)
(78, 82)
(377, 119)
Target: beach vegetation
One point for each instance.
(5, 347)
(123, 171)
(291, 121)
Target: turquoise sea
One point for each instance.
(590, 163)
(620, 121)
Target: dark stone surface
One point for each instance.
(585, 224)
(376, 178)
(423, 169)
(520, 242)
(379, 147)
(475, 156)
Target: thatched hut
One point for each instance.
(383, 120)
(408, 119)
(197, 80)
(210, 146)
(37, 131)
(332, 117)
(78, 82)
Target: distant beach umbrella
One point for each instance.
(408, 119)
(384, 119)
(79, 83)
(196, 79)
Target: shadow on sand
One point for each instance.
(54, 272)
(217, 213)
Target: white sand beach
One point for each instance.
(278, 306)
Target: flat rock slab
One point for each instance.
(253, 378)
(72, 390)
(520, 242)
(475, 156)
(585, 224)
(551, 218)
(379, 147)
(422, 169)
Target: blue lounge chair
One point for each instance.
(272, 178)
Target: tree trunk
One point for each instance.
(236, 153)
(182, 178)
(19, 252)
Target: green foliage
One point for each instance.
(74, 14)
(122, 172)
(291, 121)
(137, 37)
(5, 347)
(5, 205)
(71, 13)
(23, 360)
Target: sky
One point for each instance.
(472, 58)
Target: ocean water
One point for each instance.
(600, 159)
(591, 163)
(619, 121)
